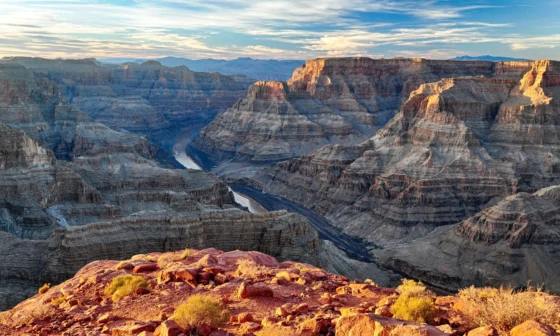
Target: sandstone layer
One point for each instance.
(512, 242)
(456, 147)
(327, 101)
(258, 294)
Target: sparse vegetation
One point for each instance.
(415, 302)
(187, 253)
(45, 288)
(504, 308)
(124, 285)
(166, 259)
(247, 267)
(200, 309)
(145, 257)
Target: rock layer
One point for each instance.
(338, 101)
(512, 242)
(145, 98)
(456, 147)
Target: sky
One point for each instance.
(282, 29)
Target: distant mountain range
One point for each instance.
(488, 58)
(253, 68)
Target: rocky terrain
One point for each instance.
(146, 98)
(512, 242)
(245, 293)
(327, 101)
(456, 147)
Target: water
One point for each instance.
(181, 156)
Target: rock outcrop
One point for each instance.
(512, 242)
(236, 293)
(327, 101)
(456, 147)
(146, 98)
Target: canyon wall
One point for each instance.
(456, 147)
(328, 101)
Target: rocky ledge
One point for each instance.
(210, 292)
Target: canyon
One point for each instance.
(443, 171)
(461, 141)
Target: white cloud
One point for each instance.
(301, 28)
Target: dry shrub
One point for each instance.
(31, 313)
(124, 285)
(248, 268)
(200, 309)
(503, 308)
(45, 288)
(415, 302)
(187, 253)
(145, 257)
(165, 259)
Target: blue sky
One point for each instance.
(283, 29)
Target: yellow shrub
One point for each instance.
(247, 267)
(124, 285)
(413, 288)
(504, 308)
(187, 253)
(166, 259)
(44, 288)
(200, 309)
(414, 309)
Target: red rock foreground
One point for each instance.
(247, 293)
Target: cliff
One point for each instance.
(456, 147)
(328, 101)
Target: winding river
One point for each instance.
(259, 202)
(179, 151)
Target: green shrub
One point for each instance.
(503, 308)
(200, 309)
(124, 285)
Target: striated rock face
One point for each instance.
(328, 101)
(514, 242)
(146, 98)
(456, 146)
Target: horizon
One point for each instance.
(280, 30)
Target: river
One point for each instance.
(179, 151)
(258, 202)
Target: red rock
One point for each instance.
(142, 291)
(203, 330)
(207, 260)
(314, 325)
(369, 324)
(177, 274)
(169, 328)
(483, 331)
(254, 290)
(532, 328)
(249, 327)
(145, 268)
(281, 311)
(245, 317)
(301, 308)
(220, 279)
(132, 328)
(269, 321)
(107, 317)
